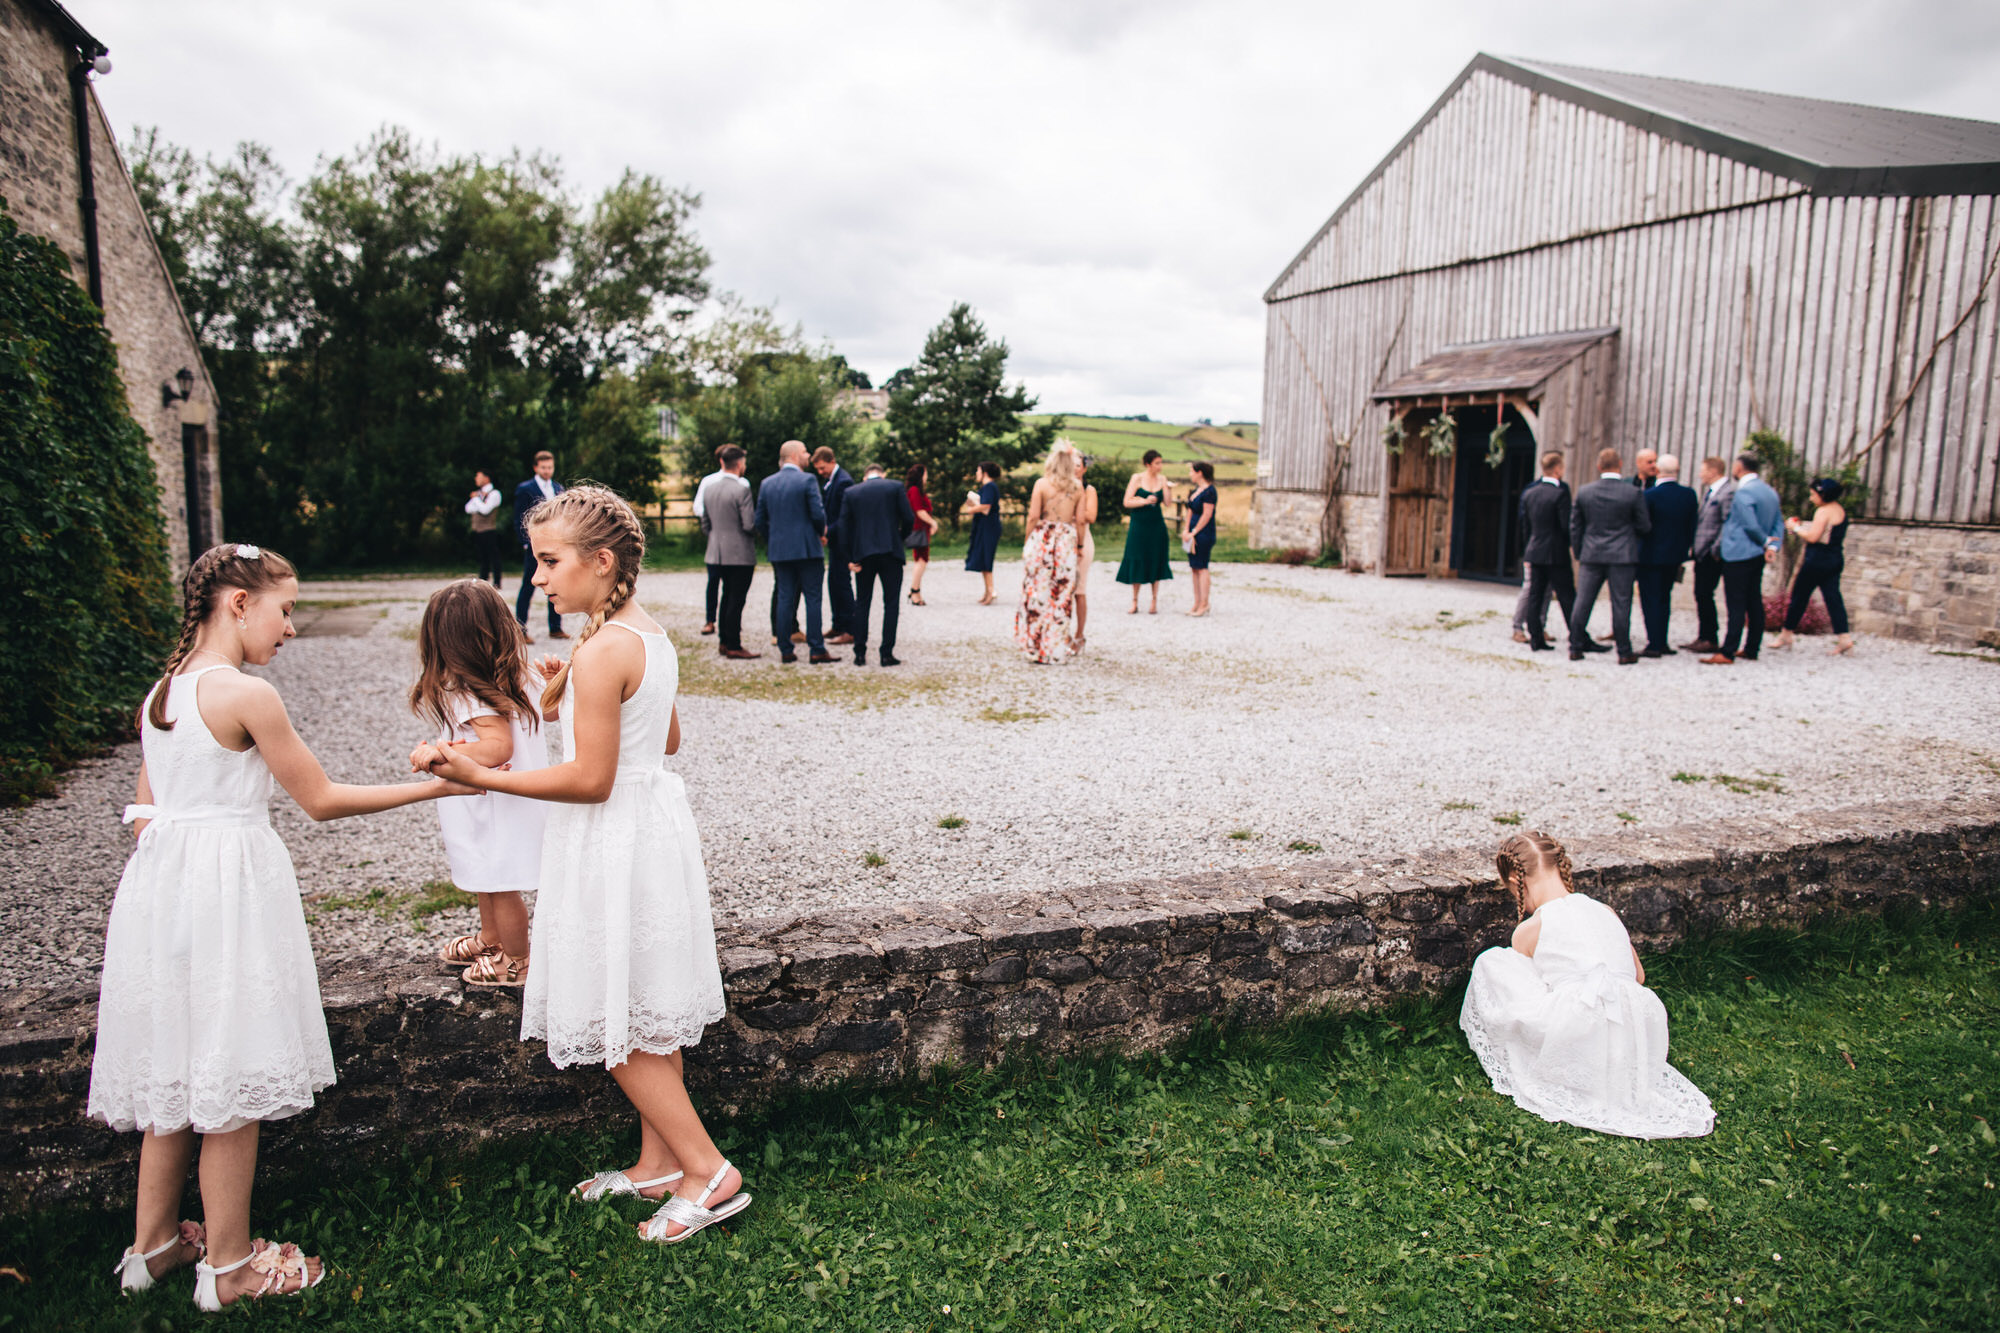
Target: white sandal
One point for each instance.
(607, 1184)
(131, 1270)
(693, 1214)
(278, 1263)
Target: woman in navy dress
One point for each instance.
(1198, 530)
(984, 505)
(1825, 536)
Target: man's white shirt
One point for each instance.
(485, 502)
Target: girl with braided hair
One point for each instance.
(208, 1017)
(1562, 1021)
(625, 972)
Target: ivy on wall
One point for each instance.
(89, 605)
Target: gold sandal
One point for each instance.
(466, 949)
(498, 970)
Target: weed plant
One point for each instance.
(1340, 1172)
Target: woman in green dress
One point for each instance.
(1146, 498)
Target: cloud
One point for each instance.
(1111, 184)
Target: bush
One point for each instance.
(1814, 621)
(91, 607)
(1294, 555)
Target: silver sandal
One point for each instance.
(131, 1270)
(693, 1214)
(278, 1263)
(609, 1184)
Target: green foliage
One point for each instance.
(1784, 470)
(1109, 478)
(1348, 1171)
(773, 399)
(617, 444)
(91, 605)
(952, 410)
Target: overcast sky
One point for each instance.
(1111, 183)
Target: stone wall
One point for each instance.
(1931, 584)
(873, 996)
(39, 179)
(1286, 519)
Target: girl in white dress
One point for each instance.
(475, 688)
(1562, 1021)
(208, 1017)
(625, 969)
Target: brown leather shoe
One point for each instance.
(739, 655)
(1717, 659)
(841, 638)
(558, 634)
(1627, 659)
(1701, 646)
(818, 658)
(708, 628)
(798, 636)
(1520, 636)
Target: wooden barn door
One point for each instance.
(1419, 505)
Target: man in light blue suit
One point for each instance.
(1750, 538)
(792, 520)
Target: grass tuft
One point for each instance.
(874, 860)
(951, 821)
(1241, 835)
(1302, 846)
(1510, 818)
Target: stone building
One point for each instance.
(47, 63)
(1570, 259)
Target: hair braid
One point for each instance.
(595, 519)
(225, 566)
(1526, 852)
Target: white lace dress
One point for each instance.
(209, 1012)
(623, 944)
(1571, 1035)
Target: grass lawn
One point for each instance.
(1341, 1172)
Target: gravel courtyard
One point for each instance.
(1313, 710)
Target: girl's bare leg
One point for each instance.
(163, 1169)
(503, 919)
(228, 1169)
(656, 1159)
(652, 1083)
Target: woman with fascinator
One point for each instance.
(1561, 1019)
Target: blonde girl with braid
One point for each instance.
(625, 972)
(208, 1015)
(1561, 1019)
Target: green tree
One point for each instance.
(1785, 471)
(617, 442)
(953, 409)
(774, 398)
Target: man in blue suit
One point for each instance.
(1750, 538)
(542, 486)
(792, 521)
(1664, 550)
(833, 484)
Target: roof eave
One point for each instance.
(78, 35)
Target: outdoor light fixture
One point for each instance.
(168, 395)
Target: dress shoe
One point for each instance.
(1701, 646)
(890, 659)
(1541, 646)
(1520, 636)
(708, 628)
(739, 655)
(558, 634)
(798, 636)
(1650, 651)
(789, 659)
(1627, 659)
(1746, 657)
(840, 638)
(1716, 659)
(861, 657)
(1595, 647)
(819, 659)
(1575, 656)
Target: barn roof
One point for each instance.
(1831, 148)
(1492, 367)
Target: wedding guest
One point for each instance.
(209, 1019)
(1544, 517)
(833, 484)
(1145, 558)
(1717, 490)
(485, 528)
(1198, 531)
(1824, 536)
(1645, 470)
(625, 972)
(984, 506)
(1750, 538)
(1605, 525)
(927, 526)
(729, 520)
(1049, 552)
(875, 518)
(1086, 516)
(792, 521)
(712, 593)
(537, 489)
(1562, 1021)
(1672, 509)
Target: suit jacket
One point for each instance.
(1714, 513)
(526, 496)
(729, 519)
(875, 516)
(831, 492)
(790, 516)
(1544, 519)
(1607, 521)
(1673, 509)
(1753, 521)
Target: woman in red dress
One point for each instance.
(927, 524)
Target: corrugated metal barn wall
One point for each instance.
(1742, 301)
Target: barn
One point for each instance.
(1572, 259)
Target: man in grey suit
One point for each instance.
(1718, 490)
(1605, 525)
(729, 520)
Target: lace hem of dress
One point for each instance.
(167, 1109)
(648, 1033)
(1680, 1109)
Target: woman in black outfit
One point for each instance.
(1824, 535)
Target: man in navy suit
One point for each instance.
(833, 483)
(1665, 550)
(792, 521)
(874, 521)
(542, 486)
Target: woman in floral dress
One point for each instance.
(1049, 559)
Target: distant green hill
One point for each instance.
(1232, 448)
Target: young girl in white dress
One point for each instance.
(475, 688)
(208, 1017)
(1562, 1021)
(625, 969)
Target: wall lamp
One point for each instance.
(168, 395)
